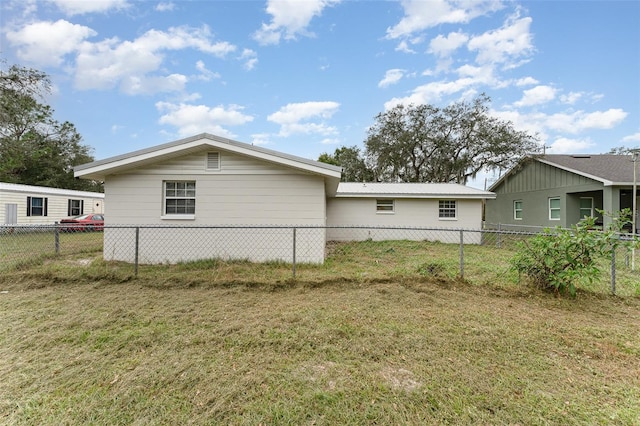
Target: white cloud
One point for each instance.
(569, 146)
(205, 74)
(526, 81)
(165, 7)
(194, 119)
(632, 138)
(135, 85)
(536, 96)
(403, 46)
(260, 139)
(391, 77)
(444, 46)
(303, 118)
(420, 15)
(250, 58)
(432, 92)
(289, 18)
(505, 44)
(46, 43)
(580, 121)
(79, 7)
(112, 62)
(571, 98)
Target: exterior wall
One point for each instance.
(57, 203)
(534, 185)
(408, 212)
(243, 192)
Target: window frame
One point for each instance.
(75, 210)
(553, 209)
(517, 209)
(385, 206)
(445, 206)
(591, 209)
(43, 208)
(189, 213)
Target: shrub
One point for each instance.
(561, 259)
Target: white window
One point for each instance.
(179, 198)
(554, 208)
(384, 206)
(36, 206)
(447, 209)
(586, 207)
(517, 210)
(75, 207)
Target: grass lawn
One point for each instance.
(85, 342)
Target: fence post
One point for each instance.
(461, 254)
(294, 252)
(56, 237)
(499, 237)
(137, 249)
(613, 270)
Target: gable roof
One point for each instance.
(99, 169)
(410, 190)
(609, 169)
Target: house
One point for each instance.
(438, 206)
(559, 190)
(39, 205)
(223, 185)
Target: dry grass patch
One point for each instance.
(117, 350)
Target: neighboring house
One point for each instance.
(221, 184)
(559, 190)
(420, 205)
(40, 205)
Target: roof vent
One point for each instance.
(581, 156)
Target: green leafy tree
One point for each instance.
(424, 143)
(352, 163)
(35, 148)
(561, 260)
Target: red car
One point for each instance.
(82, 223)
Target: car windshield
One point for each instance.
(81, 217)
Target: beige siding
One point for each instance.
(416, 213)
(243, 192)
(57, 206)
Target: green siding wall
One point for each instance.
(534, 184)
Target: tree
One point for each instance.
(36, 149)
(425, 143)
(352, 163)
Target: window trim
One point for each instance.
(173, 215)
(558, 209)
(442, 209)
(70, 207)
(516, 209)
(382, 205)
(44, 207)
(580, 208)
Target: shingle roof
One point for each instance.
(410, 190)
(609, 169)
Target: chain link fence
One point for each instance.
(324, 253)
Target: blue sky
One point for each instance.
(308, 76)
